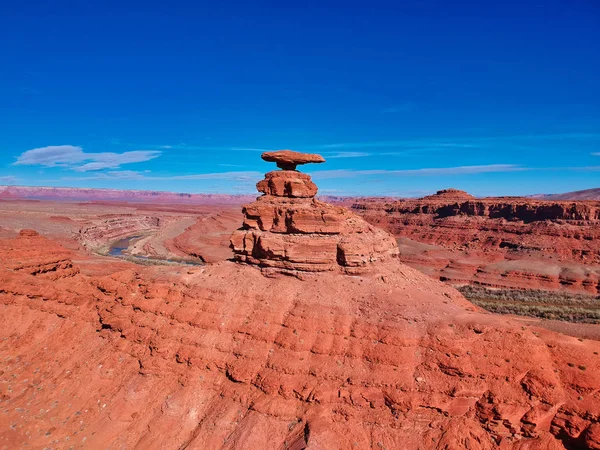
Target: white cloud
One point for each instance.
(74, 158)
(460, 170)
(596, 154)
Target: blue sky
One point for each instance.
(402, 98)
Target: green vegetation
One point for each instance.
(536, 303)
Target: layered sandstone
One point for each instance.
(496, 242)
(32, 254)
(288, 230)
(123, 356)
(114, 227)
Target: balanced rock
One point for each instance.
(288, 159)
(287, 230)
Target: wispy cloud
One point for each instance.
(408, 144)
(346, 155)
(9, 179)
(459, 142)
(582, 169)
(596, 154)
(460, 170)
(133, 175)
(213, 148)
(74, 158)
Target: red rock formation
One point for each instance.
(497, 242)
(287, 230)
(107, 354)
(208, 239)
(32, 254)
(287, 183)
(121, 356)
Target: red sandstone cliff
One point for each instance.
(500, 242)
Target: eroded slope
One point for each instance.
(224, 357)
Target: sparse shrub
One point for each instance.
(536, 303)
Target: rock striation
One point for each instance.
(221, 357)
(288, 230)
(498, 242)
(32, 254)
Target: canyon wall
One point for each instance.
(496, 242)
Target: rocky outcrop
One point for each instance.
(288, 230)
(515, 210)
(32, 254)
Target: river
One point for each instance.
(120, 247)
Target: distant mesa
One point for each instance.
(26, 232)
(288, 159)
(450, 194)
(288, 231)
(585, 195)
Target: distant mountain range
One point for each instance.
(115, 195)
(588, 194)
